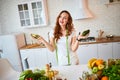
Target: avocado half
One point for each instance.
(85, 32)
(36, 36)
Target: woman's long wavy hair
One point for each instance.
(69, 26)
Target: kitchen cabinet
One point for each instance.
(52, 58)
(105, 51)
(33, 13)
(25, 54)
(86, 52)
(36, 57)
(116, 50)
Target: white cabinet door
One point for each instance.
(86, 52)
(116, 50)
(105, 50)
(52, 58)
(32, 58)
(25, 54)
(40, 55)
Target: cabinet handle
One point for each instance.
(26, 63)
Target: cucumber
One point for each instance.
(85, 32)
(36, 36)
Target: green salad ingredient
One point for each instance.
(37, 74)
(113, 70)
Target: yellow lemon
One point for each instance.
(101, 66)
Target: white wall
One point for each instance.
(106, 18)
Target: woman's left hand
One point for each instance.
(41, 39)
(82, 37)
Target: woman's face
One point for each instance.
(63, 19)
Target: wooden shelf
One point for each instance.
(111, 3)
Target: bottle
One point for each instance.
(50, 65)
(47, 68)
(49, 72)
(100, 34)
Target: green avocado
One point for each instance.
(36, 36)
(85, 32)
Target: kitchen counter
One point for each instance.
(73, 72)
(102, 40)
(29, 46)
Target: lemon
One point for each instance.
(101, 66)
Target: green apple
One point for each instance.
(95, 69)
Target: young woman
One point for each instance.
(63, 40)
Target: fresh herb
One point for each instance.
(33, 75)
(113, 70)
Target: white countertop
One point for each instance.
(72, 72)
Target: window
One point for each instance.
(24, 14)
(33, 13)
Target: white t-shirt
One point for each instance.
(62, 50)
